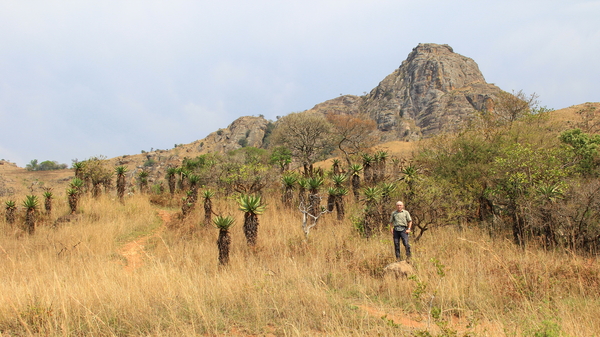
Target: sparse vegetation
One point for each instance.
(47, 165)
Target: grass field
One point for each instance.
(71, 279)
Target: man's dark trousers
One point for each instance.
(401, 235)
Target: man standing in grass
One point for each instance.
(400, 225)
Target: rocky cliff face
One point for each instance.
(433, 90)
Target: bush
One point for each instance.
(47, 165)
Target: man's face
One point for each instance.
(400, 206)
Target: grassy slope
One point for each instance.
(71, 280)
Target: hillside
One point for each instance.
(17, 180)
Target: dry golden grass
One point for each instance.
(71, 280)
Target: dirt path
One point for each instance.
(134, 251)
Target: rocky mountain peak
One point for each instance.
(432, 91)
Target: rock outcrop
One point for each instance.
(434, 90)
(400, 269)
(244, 131)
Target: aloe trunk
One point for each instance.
(11, 209)
(223, 243)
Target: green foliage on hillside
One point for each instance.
(529, 176)
(47, 165)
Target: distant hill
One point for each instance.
(17, 180)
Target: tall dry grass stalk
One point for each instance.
(70, 279)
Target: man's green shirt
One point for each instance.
(400, 220)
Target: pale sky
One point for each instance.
(86, 78)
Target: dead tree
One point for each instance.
(307, 213)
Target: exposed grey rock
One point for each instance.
(251, 129)
(400, 269)
(434, 90)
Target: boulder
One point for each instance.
(400, 269)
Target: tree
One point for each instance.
(583, 150)
(307, 213)
(252, 207)
(224, 223)
(32, 166)
(47, 165)
(31, 204)
(518, 172)
(282, 157)
(306, 135)
(352, 134)
(94, 172)
(386, 200)
(509, 107)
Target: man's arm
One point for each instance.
(409, 226)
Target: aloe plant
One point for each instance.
(331, 195)
(368, 167)
(78, 167)
(335, 167)
(121, 170)
(340, 209)
(208, 211)
(339, 180)
(380, 158)
(171, 179)
(73, 198)
(372, 196)
(302, 186)
(314, 183)
(224, 223)
(252, 207)
(48, 196)
(194, 181)
(289, 182)
(11, 208)
(355, 170)
(31, 205)
(142, 178)
(187, 204)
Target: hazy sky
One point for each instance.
(87, 78)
